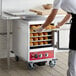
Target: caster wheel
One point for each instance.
(12, 51)
(17, 58)
(31, 66)
(52, 63)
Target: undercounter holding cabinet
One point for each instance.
(33, 47)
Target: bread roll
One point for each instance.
(45, 38)
(47, 6)
(40, 43)
(35, 34)
(40, 38)
(31, 30)
(52, 27)
(31, 39)
(47, 28)
(34, 27)
(35, 39)
(45, 33)
(38, 26)
(35, 43)
(31, 35)
(40, 34)
(45, 42)
(31, 44)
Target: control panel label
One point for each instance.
(41, 55)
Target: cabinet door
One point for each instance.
(63, 37)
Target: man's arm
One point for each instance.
(50, 18)
(66, 18)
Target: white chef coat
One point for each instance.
(66, 5)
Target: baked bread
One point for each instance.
(31, 30)
(31, 35)
(35, 34)
(31, 44)
(33, 27)
(47, 27)
(50, 27)
(35, 39)
(35, 43)
(40, 38)
(45, 38)
(45, 42)
(40, 34)
(45, 33)
(38, 26)
(40, 43)
(31, 39)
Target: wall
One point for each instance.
(23, 4)
(15, 5)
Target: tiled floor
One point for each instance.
(19, 68)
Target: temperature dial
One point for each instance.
(36, 56)
(40, 55)
(46, 54)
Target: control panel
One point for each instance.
(41, 55)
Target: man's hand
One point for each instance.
(40, 29)
(58, 25)
(65, 19)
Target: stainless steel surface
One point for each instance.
(34, 17)
(19, 13)
(27, 15)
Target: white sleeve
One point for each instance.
(57, 4)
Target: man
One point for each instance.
(70, 7)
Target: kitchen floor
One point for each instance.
(20, 68)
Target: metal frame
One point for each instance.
(8, 34)
(59, 42)
(8, 43)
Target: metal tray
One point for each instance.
(50, 30)
(42, 40)
(41, 36)
(41, 45)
